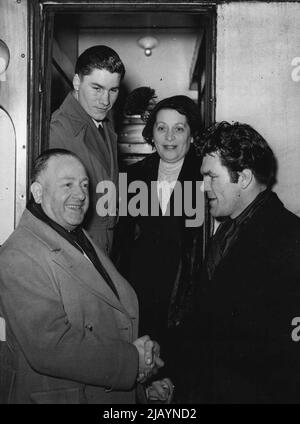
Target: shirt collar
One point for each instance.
(98, 123)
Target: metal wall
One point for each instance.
(13, 115)
(258, 80)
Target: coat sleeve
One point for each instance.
(34, 310)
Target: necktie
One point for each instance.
(101, 131)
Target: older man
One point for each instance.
(83, 124)
(249, 295)
(71, 318)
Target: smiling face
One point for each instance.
(62, 191)
(223, 195)
(97, 92)
(171, 135)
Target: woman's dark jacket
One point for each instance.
(160, 254)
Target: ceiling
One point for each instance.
(161, 19)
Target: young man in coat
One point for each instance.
(83, 124)
(71, 319)
(249, 296)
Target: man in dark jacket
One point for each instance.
(83, 125)
(249, 295)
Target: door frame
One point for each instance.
(41, 34)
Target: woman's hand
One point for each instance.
(160, 390)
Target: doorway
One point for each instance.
(182, 62)
(166, 51)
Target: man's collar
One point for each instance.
(76, 113)
(37, 210)
(98, 123)
(249, 211)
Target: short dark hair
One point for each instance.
(99, 57)
(240, 146)
(41, 162)
(183, 105)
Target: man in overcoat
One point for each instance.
(83, 124)
(248, 304)
(71, 319)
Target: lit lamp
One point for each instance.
(4, 60)
(148, 43)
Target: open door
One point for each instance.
(182, 60)
(181, 63)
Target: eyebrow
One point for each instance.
(95, 84)
(176, 123)
(73, 178)
(210, 173)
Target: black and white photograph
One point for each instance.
(149, 205)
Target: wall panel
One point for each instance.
(13, 100)
(258, 80)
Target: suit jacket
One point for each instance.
(73, 129)
(71, 337)
(245, 349)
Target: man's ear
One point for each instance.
(37, 191)
(76, 82)
(245, 178)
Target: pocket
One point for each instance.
(73, 395)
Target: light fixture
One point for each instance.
(148, 43)
(4, 59)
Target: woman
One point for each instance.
(161, 260)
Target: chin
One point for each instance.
(75, 222)
(98, 117)
(214, 214)
(170, 160)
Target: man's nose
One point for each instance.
(105, 97)
(206, 184)
(79, 192)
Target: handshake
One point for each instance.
(149, 364)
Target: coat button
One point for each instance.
(89, 327)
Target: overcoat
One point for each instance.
(244, 342)
(70, 336)
(73, 129)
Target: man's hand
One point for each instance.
(149, 360)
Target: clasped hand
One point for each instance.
(149, 359)
(160, 391)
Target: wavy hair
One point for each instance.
(183, 105)
(240, 146)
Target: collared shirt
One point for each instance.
(97, 123)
